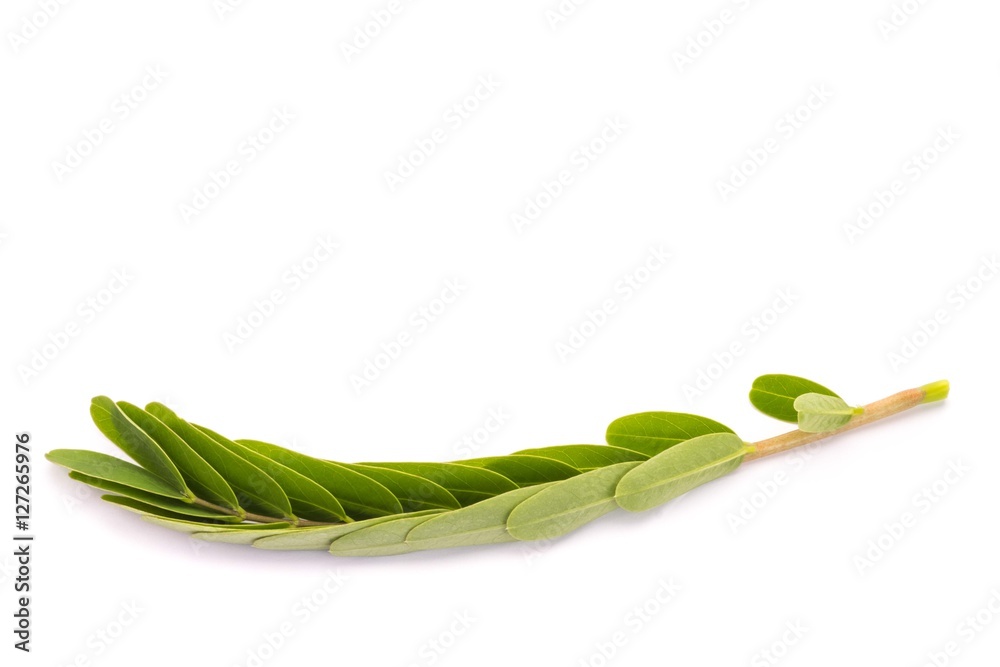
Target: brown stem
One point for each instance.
(873, 412)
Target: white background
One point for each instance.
(684, 129)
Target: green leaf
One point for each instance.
(652, 432)
(482, 523)
(819, 413)
(115, 470)
(318, 538)
(384, 539)
(468, 484)
(775, 395)
(132, 440)
(585, 457)
(679, 469)
(203, 479)
(152, 510)
(565, 506)
(415, 494)
(361, 496)
(163, 502)
(255, 490)
(308, 499)
(525, 469)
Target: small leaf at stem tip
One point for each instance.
(936, 391)
(775, 395)
(819, 413)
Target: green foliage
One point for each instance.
(196, 481)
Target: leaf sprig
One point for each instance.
(191, 479)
